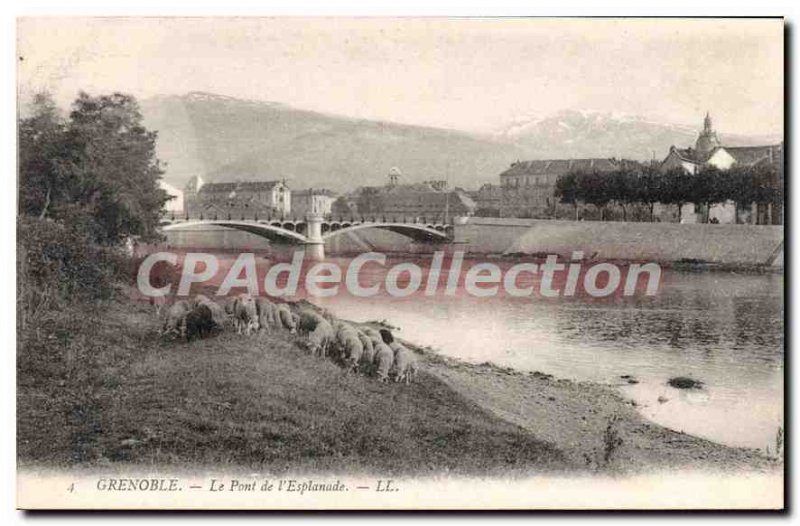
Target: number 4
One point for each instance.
(71, 488)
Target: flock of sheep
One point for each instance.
(364, 350)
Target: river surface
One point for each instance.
(724, 329)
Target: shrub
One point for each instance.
(58, 264)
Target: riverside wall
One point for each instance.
(745, 245)
(734, 245)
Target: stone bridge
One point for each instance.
(314, 230)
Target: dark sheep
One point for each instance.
(387, 337)
(308, 321)
(199, 323)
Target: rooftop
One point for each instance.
(251, 186)
(745, 155)
(560, 166)
(313, 191)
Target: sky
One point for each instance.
(470, 74)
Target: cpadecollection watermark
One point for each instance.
(370, 274)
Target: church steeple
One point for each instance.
(707, 140)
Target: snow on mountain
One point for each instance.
(582, 133)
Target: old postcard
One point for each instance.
(400, 263)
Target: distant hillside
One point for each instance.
(225, 139)
(591, 134)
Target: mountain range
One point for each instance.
(227, 139)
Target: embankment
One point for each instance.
(734, 245)
(666, 243)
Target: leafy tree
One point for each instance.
(85, 182)
(634, 183)
(43, 174)
(676, 188)
(622, 186)
(593, 189)
(98, 167)
(119, 172)
(768, 183)
(566, 190)
(650, 188)
(739, 186)
(708, 187)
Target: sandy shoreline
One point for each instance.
(579, 416)
(591, 423)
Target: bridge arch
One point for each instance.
(416, 231)
(273, 231)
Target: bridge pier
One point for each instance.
(315, 245)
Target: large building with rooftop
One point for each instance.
(237, 199)
(528, 187)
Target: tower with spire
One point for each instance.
(394, 176)
(707, 140)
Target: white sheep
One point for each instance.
(245, 314)
(286, 317)
(175, 320)
(405, 363)
(321, 338)
(384, 359)
(372, 333)
(266, 314)
(368, 357)
(230, 305)
(350, 345)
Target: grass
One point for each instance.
(99, 387)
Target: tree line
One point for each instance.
(644, 184)
(87, 181)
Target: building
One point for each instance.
(312, 201)
(440, 185)
(175, 204)
(488, 199)
(237, 199)
(527, 188)
(709, 152)
(432, 200)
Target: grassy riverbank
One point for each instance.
(111, 391)
(101, 388)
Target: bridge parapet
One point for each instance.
(314, 231)
(363, 219)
